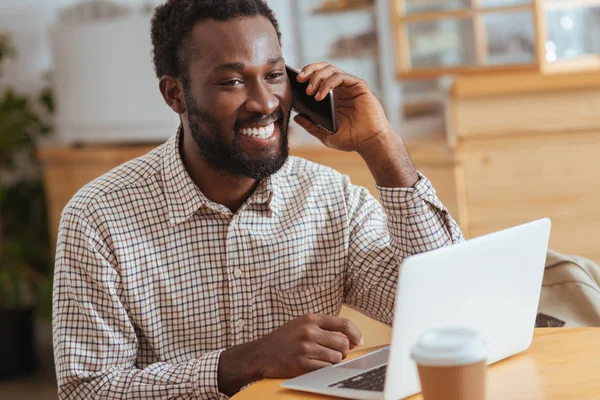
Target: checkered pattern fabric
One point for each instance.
(153, 280)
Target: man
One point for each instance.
(214, 260)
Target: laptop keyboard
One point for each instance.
(373, 380)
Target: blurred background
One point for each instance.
(497, 100)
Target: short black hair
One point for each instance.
(172, 25)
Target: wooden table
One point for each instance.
(560, 364)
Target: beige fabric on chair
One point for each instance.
(570, 291)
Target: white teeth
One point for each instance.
(264, 132)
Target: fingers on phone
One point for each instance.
(308, 70)
(333, 81)
(318, 77)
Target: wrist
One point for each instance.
(389, 162)
(380, 143)
(238, 367)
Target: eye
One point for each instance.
(275, 75)
(232, 82)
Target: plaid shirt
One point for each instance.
(153, 280)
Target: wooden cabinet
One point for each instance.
(527, 146)
(509, 181)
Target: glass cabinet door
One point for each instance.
(436, 37)
(439, 37)
(510, 38)
(572, 35)
(440, 44)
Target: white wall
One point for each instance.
(28, 21)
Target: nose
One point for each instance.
(261, 99)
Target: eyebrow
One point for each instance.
(238, 66)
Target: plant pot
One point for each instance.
(17, 343)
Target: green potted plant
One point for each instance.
(25, 252)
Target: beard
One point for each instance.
(230, 158)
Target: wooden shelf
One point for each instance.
(502, 84)
(343, 7)
(562, 5)
(463, 13)
(430, 73)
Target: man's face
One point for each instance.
(238, 96)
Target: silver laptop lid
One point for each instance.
(491, 283)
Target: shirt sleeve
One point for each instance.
(382, 234)
(95, 344)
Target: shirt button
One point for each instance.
(240, 323)
(237, 273)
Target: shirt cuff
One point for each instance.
(207, 386)
(406, 202)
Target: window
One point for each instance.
(438, 37)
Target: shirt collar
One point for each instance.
(184, 198)
(266, 193)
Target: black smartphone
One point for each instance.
(320, 112)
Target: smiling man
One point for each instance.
(217, 260)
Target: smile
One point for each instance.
(263, 132)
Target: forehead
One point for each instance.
(249, 40)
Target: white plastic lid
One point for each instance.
(450, 346)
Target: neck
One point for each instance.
(218, 186)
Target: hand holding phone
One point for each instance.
(320, 112)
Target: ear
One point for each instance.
(172, 92)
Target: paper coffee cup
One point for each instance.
(451, 364)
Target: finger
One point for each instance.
(335, 341)
(319, 76)
(325, 354)
(308, 70)
(312, 365)
(342, 325)
(312, 128)
(334, 80)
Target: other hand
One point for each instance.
(306, 344)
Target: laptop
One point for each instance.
(491, 283)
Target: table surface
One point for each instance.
(562, 363)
